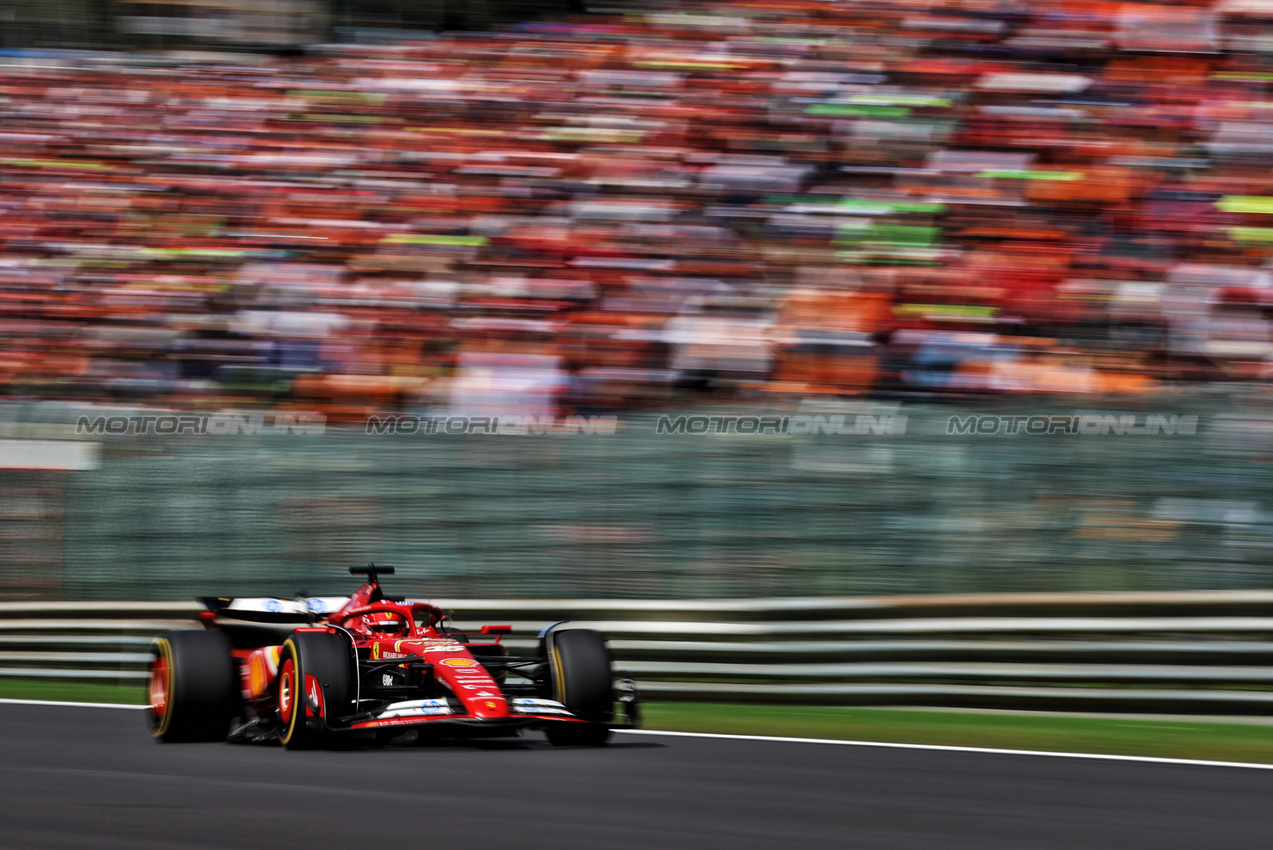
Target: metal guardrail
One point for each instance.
(1205, 653)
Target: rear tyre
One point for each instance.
(581, 680)
(193, 690)
(315, 683)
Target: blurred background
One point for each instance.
(915, 209)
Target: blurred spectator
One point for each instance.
(782, 198)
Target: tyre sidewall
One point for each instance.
(202, 692)
(328, 658)
(581, 676)
(582, 680)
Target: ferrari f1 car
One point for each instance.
(373, 668)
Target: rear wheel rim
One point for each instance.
(158, 688)
(286, 691)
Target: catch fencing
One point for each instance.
(1201, 653)
(643, 514)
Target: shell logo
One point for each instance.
(459, 662)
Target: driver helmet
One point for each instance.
(385, 623)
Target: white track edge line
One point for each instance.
(71, 704)
(787, 740)
(950, 749)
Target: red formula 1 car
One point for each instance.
(375, 667)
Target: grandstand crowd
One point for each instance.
(764, 199)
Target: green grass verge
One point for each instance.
(1247, 742)
(1220, 741)
(72, 691)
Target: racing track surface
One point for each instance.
(92, 778)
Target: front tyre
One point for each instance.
(315, 683)
(581, 679)
(192, 689)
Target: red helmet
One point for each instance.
(386, 623)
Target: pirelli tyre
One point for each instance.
(315, 684)
(193, 689)
(580, 678)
